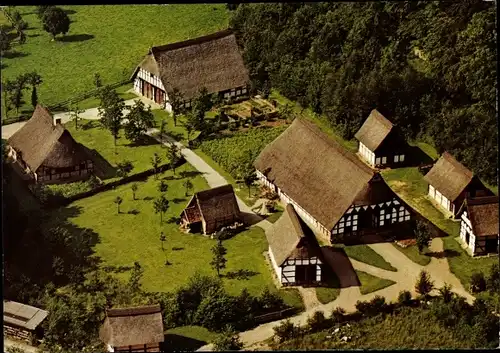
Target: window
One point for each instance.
(381, 222)
(355, 217)
(238, 92)
(244, 91)
(384, 160)
(396, 158)
(402, 158)
(151, 75)
(377, 160)
(226, 95)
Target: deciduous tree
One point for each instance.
(134, 188)
(140, 120)
(188, 185)
(422, 235)
(219, 252)
(176, 101)
(55, 21)
(111, 112)
(75, 115)
(155, 162)
(228, 340)
(173, 155)
(118, 201)
(161, 206)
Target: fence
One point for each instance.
(275, 316)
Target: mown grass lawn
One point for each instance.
(187, 338)
(107, 39)
(414, 255)
(125, 238)
(331, 290)
(276, 214)
(93, 136)
(94, 102)
(371, 283)
(364, 253)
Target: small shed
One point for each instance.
(137, 329)
(450, 182)
(293, 250)
(381, 144)
(209, 210)
(479, 224)
(22, 321)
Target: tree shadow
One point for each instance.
(250, 218)
(447, 253)
(76, 38)
(90, 124)
(33, 35)
(175, 135)
(147, 198)
(418, 157)
(117, 269)
(14, 54)
(133, 212)
(173, 220)
(177, 343)
(169, 177)
(241, 274)
(145, 140)
(189, 173)
(69, 12)
(178, 200)
(176, 248)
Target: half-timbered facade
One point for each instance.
(381, 144)
(138, 329)
(209, 210)
(294, 251)
(22, 322)
(450, 183)
(213, 62)
(479, 225)
(333, 191)
(47, 153)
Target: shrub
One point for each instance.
(446, 293)
(285, 331)
(404, 297)
(216, 309)
(94, 181)
(424, 284)
(317, 321)
(269, 301)
(338, 315)
(373, 307)
(124, 168)
(493, 283)
(228, 340)
(477, 282)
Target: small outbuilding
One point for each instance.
(209, 210)
(138, 329)
(381, 144)
(294, 251)
(22, 321)
(479, 225)
(450, 182)
(45, 152)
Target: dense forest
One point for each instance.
(429, 67)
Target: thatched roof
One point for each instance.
(449, 176)
(22, 315)
(217, 203)
(483, 214)
(374, 130)
(42, 142)
(319, 174)
(133, 326)
(213, 61)
(291, 238)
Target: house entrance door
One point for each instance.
(491, 245)
(305, 274)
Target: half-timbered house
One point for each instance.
(479, 224)
(450, 182)
(381, 144)
(22, 321)
(47, 153)
(294, 251)
(138, 329)
(209, 210)
(213, 62)
(331, 189)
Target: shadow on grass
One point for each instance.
(133, 212)
(118, 269)
(179, 200)
(76, 38)
(173, 220)
(103, 169)
(69, 12)
(340, 266)
(447, 253)
(145, 140)
(148, 198)
(176, 248)
(14, 54)
(176, 343)
(250, 218)
(418, 157)
(241, 274)
(190, 173)
(90, 124)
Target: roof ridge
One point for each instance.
(134, 311)
(193, 41)
(381, 117)
(450, 158)
(341, 149)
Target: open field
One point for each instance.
(331, 291)
(414, 255)
(125, 238)
(188, 338)
(367, 255)
(94, 102)
(103, 40)
(371, 283)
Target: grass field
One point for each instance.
(367, 255)
(94, 102)
(125, 238)
(93, 136)
(187, 338)
(414, 255)
(276, 215)
(371, 283)
(411, 328)
(107, 39)
(331, 291)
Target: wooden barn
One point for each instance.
(21, 321)
(381, 144)
(209, 210)
(331, 189)
(213, 62)
(450, 183)
(479, 224)
(138, 329)
(294, 251)
(47, 153)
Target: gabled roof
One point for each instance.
(374, 130)
(42, 142)
(213, 61)
(133, 326)
(22, 315)
(291, 238)
(216, 203)
(483, 214)
(449, 176)
(319, 174)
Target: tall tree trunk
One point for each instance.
(175, 118)
(161, 217)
